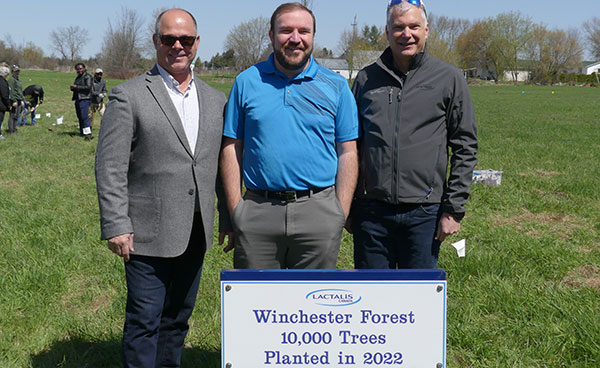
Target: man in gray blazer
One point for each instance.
(156, 169)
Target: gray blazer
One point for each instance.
(147, 178)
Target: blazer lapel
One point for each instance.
(161, 95)
(200, 142)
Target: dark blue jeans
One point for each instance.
(395, 236)
(82, 108)
(161, 293)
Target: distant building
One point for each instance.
(592, 68)
(362, 58)
(339, 66)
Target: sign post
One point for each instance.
(333, 318)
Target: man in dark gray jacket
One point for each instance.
(82, 94)
(413, 109)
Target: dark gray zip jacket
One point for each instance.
(84, 87)
(409, 128)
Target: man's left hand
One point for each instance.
(230, 240)
(447, 226)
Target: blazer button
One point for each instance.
(191, 192)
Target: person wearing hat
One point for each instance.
(98, 94)
(17, 100)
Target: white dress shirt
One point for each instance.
(186, 104)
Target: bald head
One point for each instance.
(176, 42)
(174, 11)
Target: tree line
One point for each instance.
(507, 43)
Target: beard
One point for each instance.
(287, 63)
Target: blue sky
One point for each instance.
(34, 20)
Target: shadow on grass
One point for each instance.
(81, 353)
(72, 134)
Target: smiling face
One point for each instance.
(292, 38)
(79, 69)
(407, 34)
(176, 59)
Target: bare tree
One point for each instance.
(307, 3)
(149, 50)
(552, 53)
(68, 41)
(361, 49)
(121, 51)
(511, 33)
(443, 35)
(250, 41)
(592, 28)
(32, 55)
(10, 51)
(477, 49)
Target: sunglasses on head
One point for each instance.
(396, 2)
(185, 41)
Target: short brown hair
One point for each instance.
(288, 7)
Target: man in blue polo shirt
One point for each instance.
(290, 132)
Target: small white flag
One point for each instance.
(38, 116)
(59, 120)
(460, 247)
(48, 115)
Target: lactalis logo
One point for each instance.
(333, 297)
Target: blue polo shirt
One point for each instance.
(290, 126)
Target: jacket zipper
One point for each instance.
(395, 177)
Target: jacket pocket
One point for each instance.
(420, 169)
(144, 213)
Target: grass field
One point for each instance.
(526, 295)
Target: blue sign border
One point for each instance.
(343, 276)
(332, 275)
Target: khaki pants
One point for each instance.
(95, 107)
(276, 234)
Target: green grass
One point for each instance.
(526, 295)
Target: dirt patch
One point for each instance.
(542, 193)
(79, 298)
(537, 224)
(593, 248)
(586, 276)
(543, 173)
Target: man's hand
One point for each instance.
(447, 226)
(230, 242)
(121, 245)
(348, 224)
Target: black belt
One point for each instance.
(288, 196)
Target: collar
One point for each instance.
(170, 81)
(387, 60)
(309, 73)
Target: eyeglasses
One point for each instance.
(185, 41)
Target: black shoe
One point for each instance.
(88, 137)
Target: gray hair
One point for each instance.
(4, 71)
(157, 23)
(403, 7)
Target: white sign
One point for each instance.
(363, 323)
